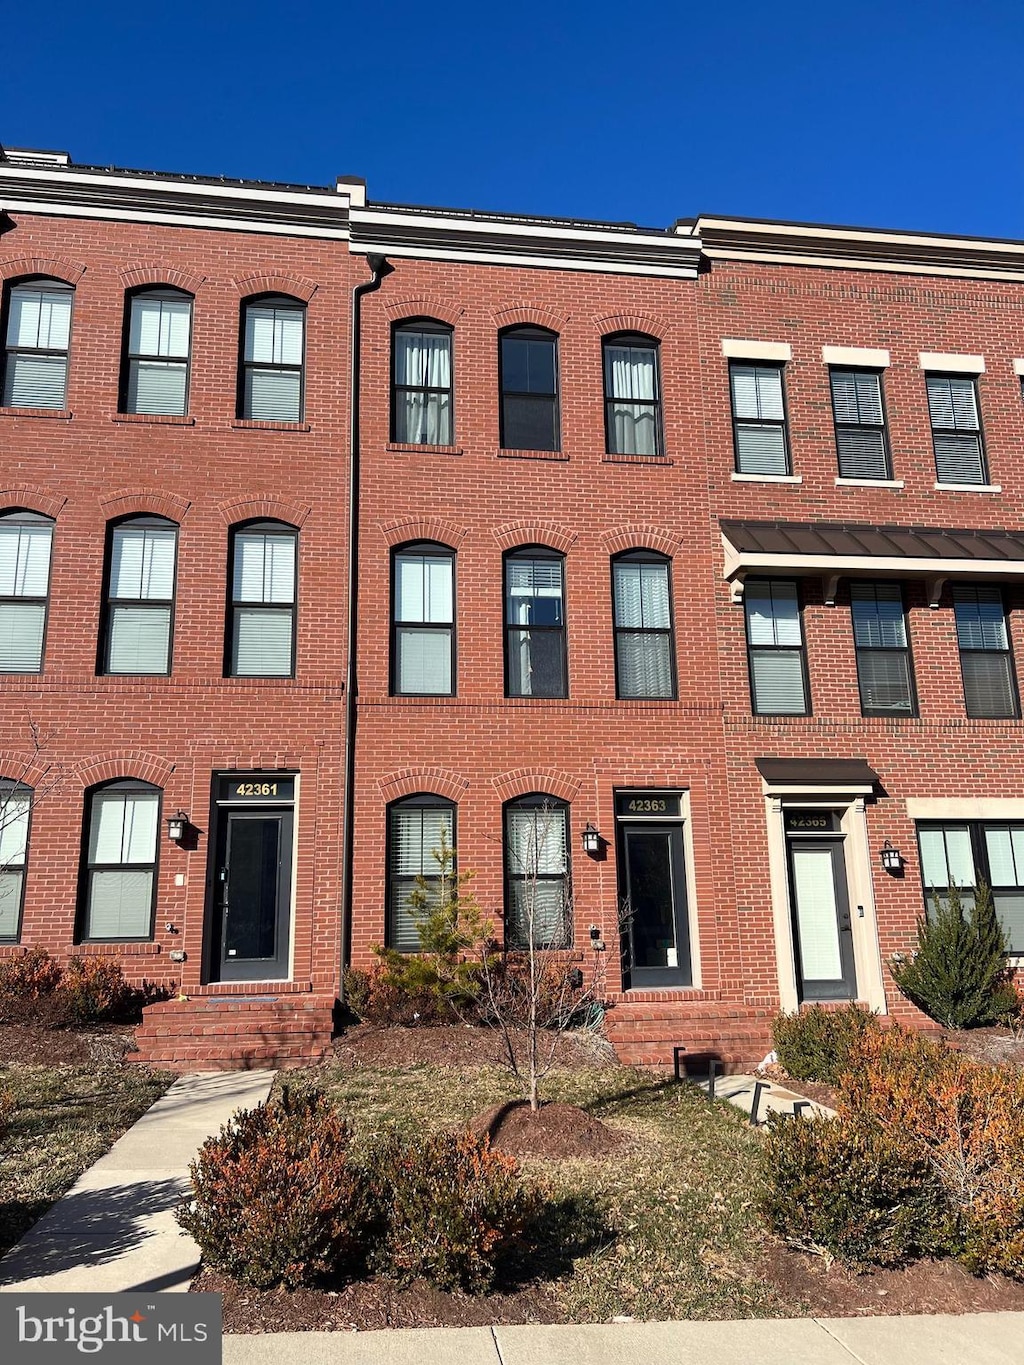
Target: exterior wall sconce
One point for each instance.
(176, 827)
(892, 859)
(591, 840)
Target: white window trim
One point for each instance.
(951, 364)
(869, 483)
(867, 357)
(968, 487)
(1018, 367)
(767, 478)
(735, 349)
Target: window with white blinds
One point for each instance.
(423, 625)
(159, 341)
(417, 827)
(631, 395)
(534, 625)
(642, 618)
(262, 628)
(861, 441)
(273, 350)
(421, 399)
(883, 650)
(986, 661)
(956, 429)
(15, 807)
(537, 900)
(124, 820)
(38, 336)
(775, 645)
(140, 595)
(966, 853)
(759, 419)
(25, 543)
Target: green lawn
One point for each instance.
(679, 1235)
(64, 1117)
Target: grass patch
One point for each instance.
(64, 1118)
(681, 1237)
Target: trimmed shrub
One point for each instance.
(959, 967)
(447, 1209)
(93, 990)
(819, 1044)
(25, 980)
(966, 1119)
(275, 1198)
(853, 1193)
(398, 988)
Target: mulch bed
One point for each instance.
(394, 1048)
(369, 1305)
(554, 1131)
(36, 1045)
(927, 1287)
(995, 1045)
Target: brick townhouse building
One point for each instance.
(685, 574)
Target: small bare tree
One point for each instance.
(531, 992)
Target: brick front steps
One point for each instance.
(643, 1033)
(234, 1032)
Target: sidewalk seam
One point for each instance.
(497, 1346)
(851, 1353)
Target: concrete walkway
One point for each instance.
(977, 1339)
(115, 1229)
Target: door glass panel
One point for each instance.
(816, 913)
(253, 863)
(651, 901)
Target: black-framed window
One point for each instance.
(529, 389)
(421, 383)
(141, 555)
(273, 359)
(157, 353)
(859, 413)
(416, 827)
(38, 335)
(261, 626)
(884, 670)
(121, 838)
(535, 623)
(956, 428)
(26, 542)
(632, 395)
(423, 621)
(966, 853)
(986, 660)
(759, 418)
(642, 617)
(15, 814)
(537, 894)
(775, 647)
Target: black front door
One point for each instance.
(822, 932)
(252, 894)
(656, 941)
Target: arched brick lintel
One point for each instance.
(424, 308)
(142, 501)
(515, 533)
(413, 781)
(265, 508)
(546, 781)
(273, 282)
(641, 538)
(633, 322)
(139, 765)
(32, 769)
(424, 528)
(55, 267)
(528, 315)
(138, 276)
(32, 499)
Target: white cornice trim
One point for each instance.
(597, 265)
(750, 561)
(893, 267)
(554, 231)
(272, 226)
(844, 234)
(330, 200)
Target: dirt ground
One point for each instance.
(456, 1045)
(35, 1045)
(554, 1131)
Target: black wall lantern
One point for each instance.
(176, 827)
(591, 840)
(892, 859)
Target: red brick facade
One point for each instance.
(87, 465)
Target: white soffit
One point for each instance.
(867, 357)
(955, 364)
(735, 349)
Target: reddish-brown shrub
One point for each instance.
(93, 990)
(275, 1199)
(25, 979)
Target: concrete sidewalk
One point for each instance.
(115, 1229)
(977, 1339)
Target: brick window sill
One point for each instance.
(152, 419)
(767, 478)
(421, 448)
(968, 487)
(55, 414)
(532, 455)
(609, 458)
(126, 948)
(243, 424)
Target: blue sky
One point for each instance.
(901, 114)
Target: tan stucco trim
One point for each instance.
(965, 807)
(955, 364)
(735, 349)
(866, 356)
